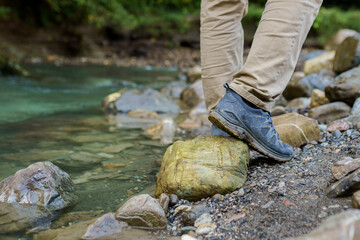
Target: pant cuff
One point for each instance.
(251, 98)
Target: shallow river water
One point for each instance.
(55, 115)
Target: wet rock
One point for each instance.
(140, 113)
(77, 230)
(10, 67)
(41, 184)
(346, 87)
(190, 124)
(339, 37)
(324, 61)
(164, 131)
(356, 199)
(164, 201)
(299, 103)
(345, 186)
(174, 199)
(318, 98)
(181, 209)
(191, 169)
(189, 217)
(73, 217)
(193, 74)
(356, 107)
(193, 95)
(16, 217)
(330, 112)
(303, 87)
(108, 103)
(174, 89)
(341, 126)
(79, 161)
(347, 54)
(295, 129)
(277, 111)
(345, 166)
(342, 226)
(148, 99)
(105, 225)
(142, 211)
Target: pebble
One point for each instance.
(241, 192)
(336, 133)
(173, 199)
(186, 229)
(187, 237)
(164, 200)
(267, 205)
(205, 218)
(323, 215)
(205, 228)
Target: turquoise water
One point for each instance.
(55, 115)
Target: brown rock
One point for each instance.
(318, 98)
(104, 225)
(345, 186)
(193, 95)
(347, 54)
(163, 130)
(277, 111)
(295, 129)
(345, 166)
(330, 112)
(142, 211)
(73, 217)
(341, 126)
(164, 201)
(356, 199)
(193, 74)
(140, 113)
(324, 61)
(342, 226)
(299, 103)
(190, 124)
(42, 184)
(339, 37)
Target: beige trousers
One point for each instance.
(274, 52)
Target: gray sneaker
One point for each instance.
(243, 120)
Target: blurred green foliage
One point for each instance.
(156, 16)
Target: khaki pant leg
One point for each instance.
(275, 50)
(221, 45)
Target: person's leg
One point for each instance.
(271, 61)
(221, 45)
(275, 50)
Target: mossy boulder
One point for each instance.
(202, 167)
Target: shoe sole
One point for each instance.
(242, 134)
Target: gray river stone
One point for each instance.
(346, 87)
(149, 99)
(42, 184)
(79, 161)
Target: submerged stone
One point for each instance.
(203, 166)
(194, 94)
(17, 217)
(149, 100)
